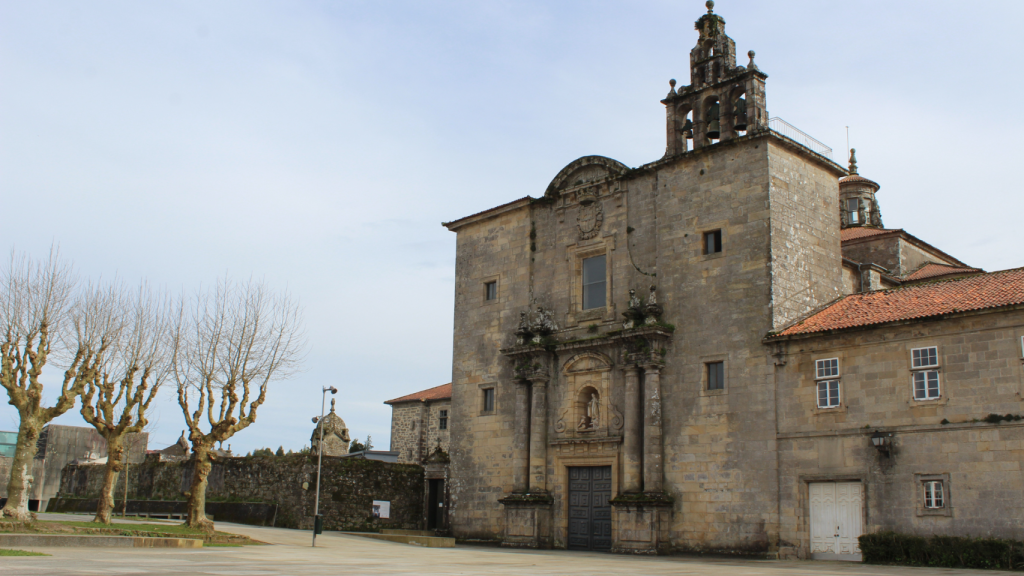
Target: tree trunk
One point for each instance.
(21, 471)
(197, 492)
(115, 451)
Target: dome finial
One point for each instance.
(332, 405)
(853, 160)
(711, 6)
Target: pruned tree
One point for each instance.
(116, 398)
(44, 317)
(230, 343)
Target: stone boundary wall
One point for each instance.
(348, 488)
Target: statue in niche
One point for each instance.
(591, 415)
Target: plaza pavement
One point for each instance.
(289, 553)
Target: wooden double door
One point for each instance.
(837, 520)
(590, 514)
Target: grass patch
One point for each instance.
(123, 529)
(6, 552)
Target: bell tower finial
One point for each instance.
(723, 101)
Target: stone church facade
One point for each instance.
(701, 354)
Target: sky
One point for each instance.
(319, 146)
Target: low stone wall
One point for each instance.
(348, 488)
(254, 513)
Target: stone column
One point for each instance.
(521, 440)
(653, 472)
(631, 442)
(539, 436)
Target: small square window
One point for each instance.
(926, 385)
(716, 375)
(595, 282)
(488, 399)
(828, 393)
(828, 368)
(925, 357)
(713, 242)
(934, 497)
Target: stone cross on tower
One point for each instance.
(723, 100)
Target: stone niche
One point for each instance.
(585, 410)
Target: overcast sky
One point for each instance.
(319, 145)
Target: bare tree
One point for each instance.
(230, 343)
(116, 398)
(42, 315)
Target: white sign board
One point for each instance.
(381, 509)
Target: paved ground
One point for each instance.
(289, 553)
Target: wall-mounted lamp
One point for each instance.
(881, 442)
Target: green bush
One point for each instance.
(942, 551)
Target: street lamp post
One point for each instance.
(319, 460)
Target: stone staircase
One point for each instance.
(424, 538)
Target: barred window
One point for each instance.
(925, 357)
(828, 368)
(926, 385)
(828, 393)
(933, 496)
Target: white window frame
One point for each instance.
(818, 364)
(828, 393)
(923, 366)
(930, 494)
(927, 388)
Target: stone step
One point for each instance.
(87, 541)
(408, 532)
(425, 541)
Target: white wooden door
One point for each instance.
(837, 511)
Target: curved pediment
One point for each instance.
(584, 171)
(587, 362)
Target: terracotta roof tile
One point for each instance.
(978, 292)
(442, 392)
(862, 232)
(931, 271)
(857, 178)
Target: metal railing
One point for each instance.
(799, 136)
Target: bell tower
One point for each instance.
(857, 203)
(723, 100)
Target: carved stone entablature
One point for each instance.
(646, 346)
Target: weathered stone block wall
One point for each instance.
(496, 249)
(806, 255)
(347, 490)
(414, 429)
(980, 370)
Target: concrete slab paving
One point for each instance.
(289, 553)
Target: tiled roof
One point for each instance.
(857, 178)
(916, 301)
(932, 270)
(442, 392)
(862, 232)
